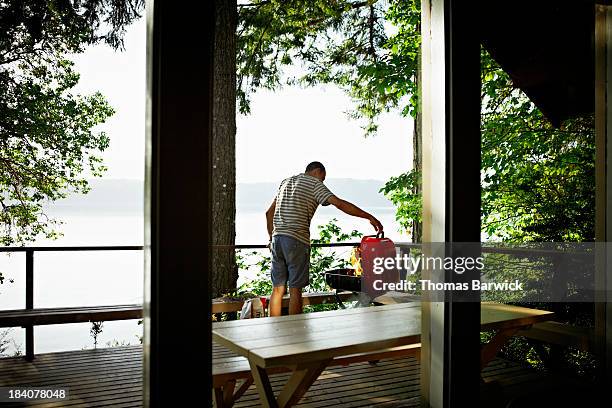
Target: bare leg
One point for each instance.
(295, 301)
(276, 300)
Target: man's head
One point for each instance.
(316, 169)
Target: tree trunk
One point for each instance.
(417, 153)
(225, 271)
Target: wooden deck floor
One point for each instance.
(112, 377)
(107, 377)
(393, 383)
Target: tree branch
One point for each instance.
(371, 20)
(353, 7)
(252, 4)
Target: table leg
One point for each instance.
(245, 386)
(490, 350)
(262, 382)
(228, 392)
(301, 379)
(218, 396)
(224, 396)
(299, 382)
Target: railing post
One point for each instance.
(29, 329)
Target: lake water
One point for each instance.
(104, 278)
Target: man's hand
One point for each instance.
(352, 209)
(376, 224)
(270, 219)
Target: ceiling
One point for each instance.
(547, 48)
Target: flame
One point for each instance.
(356, 261)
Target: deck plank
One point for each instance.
(108, 377)
(112, 377)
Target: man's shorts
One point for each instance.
(290, 262)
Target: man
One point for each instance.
(288, 221)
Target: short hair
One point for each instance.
(314, 165)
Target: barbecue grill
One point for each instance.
(343, 279)
(360, 279)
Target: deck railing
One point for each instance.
(29, 271)
(30, 251)
(29, 276)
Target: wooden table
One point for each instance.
(506, 320)
(307, 343)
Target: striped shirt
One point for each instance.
(296, 202)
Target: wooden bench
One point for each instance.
(28, 318)
(60, 315)
(229, 367)
(224, 305)
(561, 334)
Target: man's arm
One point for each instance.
(352, 209)
(270, 218)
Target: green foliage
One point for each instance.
(387, 80)
(324, 259)
(5, 340)
(519, 349)
(261, 284)
(321, 260)
(95, 331)
(324, 307)
(117, 343)
(39, 26)
(49, 143)
(400, 191)
(344, 43)
(583, 363)
(538, 181)
(275, 34)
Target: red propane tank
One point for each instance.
(374, 250)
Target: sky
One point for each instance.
(285, 130)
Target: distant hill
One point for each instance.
(363, 193)
(126, 196)
(105, 196)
